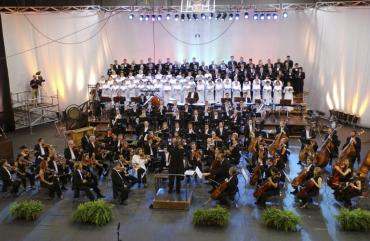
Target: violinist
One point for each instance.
(92, 145)
(250, 131)
(194, 157)
(21, 165)
(269, 188)
(234, 151)
(7, 178)
(282, 129)
(305, 175)
(349, 190)
(164, 133)
(119, 183)
(59, 171)
(311, 188)
(41, 150)
(355, 139)
(139, 162)
(49, 179)
(81, 183)
(341, 174)
(228, 195)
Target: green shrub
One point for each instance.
(281, 220)
(217, 216)
(27, 210)
(96, 212)
(354, 220)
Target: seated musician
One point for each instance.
(85, 141)
(139, 162)
(234, 151)
(164, 132)
(282, 128)
(228, 195)
(269, 188)
(59, 171)
(332, 135)
(144, 130)
(164, 157)
(349, 190)
(305, 175)
(221, 132)
(307, 135)
(92, 145)
(49, 179)
(7, 178)
(191, 133)
(82, 182)
(341, 174)
(220, 172)
(197, 120)
(311, 188)
(71, 154)
(25, 170)
(250, 131)
(355, 139)
(100, 161)
(119, 183)
(41, 150)
(194, 157)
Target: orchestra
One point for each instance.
(187, 117)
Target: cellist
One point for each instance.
(228, 195)
(311, 188)
(341, 173)
(349, 190)
(269, 188)
(306, 174)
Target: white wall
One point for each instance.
(331, 45)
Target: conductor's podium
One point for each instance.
(165, 200)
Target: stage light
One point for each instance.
(237, 16)
(285, 15)
(168, 17)
(210, 16)
(141, 18)
(275, 16)
(182, 17)
(255, 16)
(268, 16)
(246, 15)
(159, 17)
(231, 17)
(147, 18)
(262, 16)
(131, 16)
(195, 17)
(224, 16)
(153, 17)
(176, 17)
(203, 16)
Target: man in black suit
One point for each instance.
(232, 64)
(355, 139)
(221, 172)
(307, 135)
(85, 141)
(282, 128)
(92, 145)
(221, 131)
(59, 170)
(176, 166)
(40, 150)
(119, 184)
(7, 178)
(177, 128)
(71, 155)
(288, 62)
(82, 184)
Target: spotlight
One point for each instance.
(210, 16)
(262, 16)
(159, 17)
(176, 17)
(231, 17)
(268, 16)
(246, 15)
(195, 17)
(275, 16)
(182, 17)
(203, 16)
(153, 17)
(255, 16)
(141, 18)
(285, 14)
(131, 16)
(146, 17)
(168, 17)
(237, 16)
(188, 16)
(224, 16)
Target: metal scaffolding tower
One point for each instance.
(30, 112)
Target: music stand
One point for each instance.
(191, 100)
(238, 99)
(136, 99)
(223, 100)
(285, 102)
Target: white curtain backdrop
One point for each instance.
(331, 44)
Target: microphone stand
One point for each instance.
(118, 228)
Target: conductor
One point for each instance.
(176, 167)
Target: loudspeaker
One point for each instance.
(6, 150)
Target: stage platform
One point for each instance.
(177, 201)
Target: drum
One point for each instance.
(156, 101)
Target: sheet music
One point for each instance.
(199, 172)
(189, 172)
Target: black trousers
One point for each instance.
(123, 194)
(29, 176)
(172, 179)
(53, 188)
(140, 177)
(14, 185)
(269, 193)
(87, 191)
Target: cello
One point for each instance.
(307, 187)
(265, 186)
(276, 144)
(365, 166)
(220, 189)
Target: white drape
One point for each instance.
(331, 44)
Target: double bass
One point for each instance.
(277, 142)
(323, 155)
(363, 171)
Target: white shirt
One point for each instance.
(73, 157)
(42, 150)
